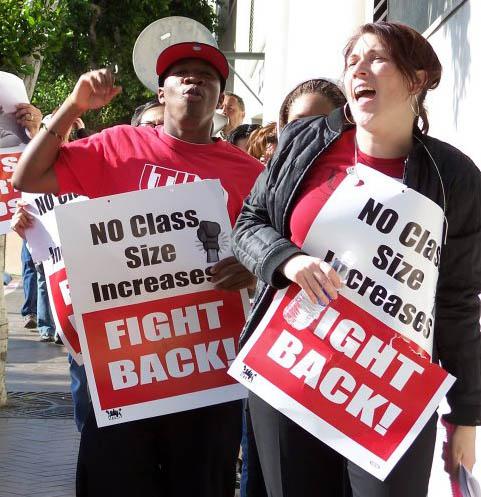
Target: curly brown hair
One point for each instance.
(259, 141)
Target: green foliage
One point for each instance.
(27, 28)
(94, 34)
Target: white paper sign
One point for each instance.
(43, 237)
(12, 92)
(395, 236)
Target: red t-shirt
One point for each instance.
(325, 176)
(123, 159)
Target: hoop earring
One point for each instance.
(416, 113)
(344, 108)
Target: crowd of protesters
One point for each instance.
(378, 117)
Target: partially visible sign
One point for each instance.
(61, 303)
(8, 195)
(43, 238)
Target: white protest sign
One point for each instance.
(44, 245)
(395, 235)
(12, 92)
(156, 336)
(43, 237)
(358, 377)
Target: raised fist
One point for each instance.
(208, 234)
(94, 89)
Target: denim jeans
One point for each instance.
(45, 322)
(29, 276)
(80, 392)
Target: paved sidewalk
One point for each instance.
(38, 437)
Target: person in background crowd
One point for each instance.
(309, 98)
(149, 114)
(36, 307)
(148, 458)
(262, 142)
(19, 127)
(36, 296)
(45, 322)
(29, 283)
(389, 68)
(314, 97)
(21, 221)
(240, 135)
(234, 109)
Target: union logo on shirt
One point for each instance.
(156, 176)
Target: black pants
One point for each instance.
(192, 453)
(255, 486)
(296, 464)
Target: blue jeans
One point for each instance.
(29, 276)
(80, 392)
(45, 322)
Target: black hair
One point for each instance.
(322, 87)
(139, 111)
(242, 131)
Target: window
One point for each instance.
(421, 14)
(380, 10)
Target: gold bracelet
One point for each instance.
(51, 132)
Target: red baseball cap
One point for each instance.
(193, 50)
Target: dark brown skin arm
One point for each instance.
(34, 172)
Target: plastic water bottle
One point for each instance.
(301, 312)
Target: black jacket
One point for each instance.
(261, 241)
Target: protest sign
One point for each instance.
(12, 92)
(61, 303)
(43, 242)
(8, 195)
(156, 336)
(43, 237)
(359, 376)
(12, 143)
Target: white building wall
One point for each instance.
(455, 106)
(302, 39)
(309, 44)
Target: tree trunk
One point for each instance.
(31, 80)
(3, 327)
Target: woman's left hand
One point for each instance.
(460, 449)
